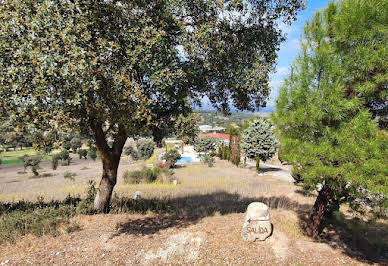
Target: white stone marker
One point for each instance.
(137, 195)
(257, 223)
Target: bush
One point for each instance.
(55, 160)
(205, 144)
(65, 157)
(145, 148)
(75, 144)
(31, 161)
(207, 159)
(86, 205)
(92, 153)
(69, 175)
(37, 218)
(145, 175)
(66, 145)
(128, 150)
(82, 153)
(171, 157)
(131, 152)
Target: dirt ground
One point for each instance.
(213, 201)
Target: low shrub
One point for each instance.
(171, 157)
(145, 175)
(69, 175)
(207, 159)
(65, 157)
(92, 153)
(82, 153)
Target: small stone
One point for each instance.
(57, 253)
(137, 195)
(175, 182)
(257, 223)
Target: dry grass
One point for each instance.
(207, 204)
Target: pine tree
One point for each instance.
(325, 109)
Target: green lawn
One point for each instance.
(12, 157)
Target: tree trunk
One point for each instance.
(110, 158)
(319, 209)
(107, 183)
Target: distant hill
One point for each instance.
(214, 118)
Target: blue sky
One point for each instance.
(290, 48)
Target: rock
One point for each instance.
(257, 223)
(175, 182)
(137, 195)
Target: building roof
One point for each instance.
(216, 135)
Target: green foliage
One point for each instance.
(207, 159)
(128, 150)
(225, 153)
(235, 151)
(145, 148)
(186, 128)
(326, 108)
(205, 144)
(86, 205)
(92, 153)
(233, 130)
(32, 161)
(145, 175)
(171, 157)
(55, 160)
(41, 221)
(75, 144)
(66, 145)
(259, 141)
(132, 152)
(113, 69)
(82, 153)
(69, 175)
(64, 155)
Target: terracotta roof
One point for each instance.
(216, 135)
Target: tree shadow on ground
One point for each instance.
(269, 169)
(185, 211)
(188, 210)
(362, 241)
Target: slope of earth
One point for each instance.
(206, 231)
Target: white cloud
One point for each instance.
(282, 71)
(288, 29)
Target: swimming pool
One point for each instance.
(185, 159)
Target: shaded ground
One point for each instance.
(205, 230)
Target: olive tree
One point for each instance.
(114, 69)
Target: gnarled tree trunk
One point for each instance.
(107, 183)
(319, 209)
(110, 158)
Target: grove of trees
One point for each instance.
(331, 109)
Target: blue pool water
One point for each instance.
(185, 160)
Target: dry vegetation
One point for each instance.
(197, 221)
